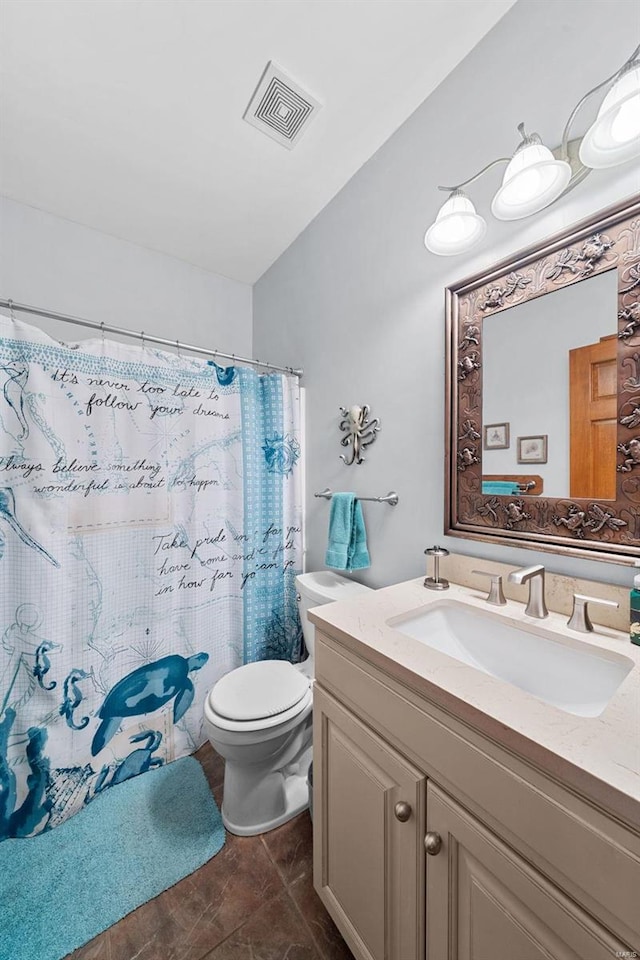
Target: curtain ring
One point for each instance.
(102, 331)
(11, 313)
(142, 338)
(178, 348)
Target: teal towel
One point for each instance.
(505, 487)
(347, 546)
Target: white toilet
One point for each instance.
(258, 717)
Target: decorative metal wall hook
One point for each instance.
(360, 431)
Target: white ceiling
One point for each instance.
(126, 115)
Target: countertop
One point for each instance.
(598, 757)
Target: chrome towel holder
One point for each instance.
(391, 498)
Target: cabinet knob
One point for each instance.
(402, 811)
(433, 843)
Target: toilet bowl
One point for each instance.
(259, 718)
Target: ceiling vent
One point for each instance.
(280, 107)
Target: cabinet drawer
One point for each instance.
(592, 857)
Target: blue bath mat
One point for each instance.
(62, 888)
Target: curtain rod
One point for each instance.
(107, 328)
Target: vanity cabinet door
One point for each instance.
(484, 902)
(368, 836)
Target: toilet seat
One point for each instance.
(258, 696)
(265, 723)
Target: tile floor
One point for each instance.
(253, 901)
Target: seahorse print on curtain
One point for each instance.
(150, 535)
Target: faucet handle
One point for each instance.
(580, 619)
(496, 595)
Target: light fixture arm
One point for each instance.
(564, 153)
(465, 183)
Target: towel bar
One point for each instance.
(523, 487)
(391, 498)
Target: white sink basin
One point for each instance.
(571, 675)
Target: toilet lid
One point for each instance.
(258, 690)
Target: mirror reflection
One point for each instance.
(549, 394)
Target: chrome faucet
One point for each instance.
(534, 576)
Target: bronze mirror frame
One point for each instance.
(606, 530)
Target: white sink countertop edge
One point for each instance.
(599, 757)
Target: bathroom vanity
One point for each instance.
(457, 815)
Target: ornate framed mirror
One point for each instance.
(544, 351)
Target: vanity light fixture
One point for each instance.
(457, 227)
(533, 179)
(537, 176)
(614, 137)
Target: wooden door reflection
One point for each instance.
(593, 393)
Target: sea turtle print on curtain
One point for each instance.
(150, 534)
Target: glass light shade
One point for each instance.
(614, 136)
(457, 227)
(532, 180)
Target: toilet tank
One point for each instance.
(323, 586)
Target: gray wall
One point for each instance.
(59, 265)
(359, 302)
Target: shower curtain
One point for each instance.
(150, 534)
